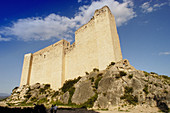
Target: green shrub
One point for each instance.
(10, 104)
(92, 79)
(90, 102)
(55, 94)
(165, 91)
(130, 99)
(15, 88)
(130, 76)
(71, 92)
(43, 100)
(56, 103)
(42, 90)
(146, 73)
(96, 70)
(34, 99)
(97, 82)
(47, 86)
(87, 73)
(70, 83)
(112, 63)
(145, 89)
(100, 74)
(153, 73)
(128, 90)
(27, 96)
(104, 94)
(117, 76)
(165, 77)
(156, 84)
(25, 104)
(122, 73)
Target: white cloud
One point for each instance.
(56, 26)
(79, 1)
(52, 26)
(164, 53)
(147, 7)
(4, 39)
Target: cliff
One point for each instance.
(120, 86)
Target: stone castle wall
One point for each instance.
(96, 45)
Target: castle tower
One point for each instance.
(96, 46)
(107, 37)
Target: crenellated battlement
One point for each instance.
(89, 24)
(69, 48)
(63, 43)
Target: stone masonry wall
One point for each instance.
(96, 45)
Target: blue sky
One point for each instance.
(30, 25)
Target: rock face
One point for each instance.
(82, 92)
(120, 84)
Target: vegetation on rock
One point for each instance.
(68, 84)
(104, 87)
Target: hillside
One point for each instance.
(120, 86)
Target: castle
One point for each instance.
(96, 46)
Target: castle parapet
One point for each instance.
(63, 43)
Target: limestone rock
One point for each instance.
(64, 98)
(82, 92)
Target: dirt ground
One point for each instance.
(137, 109)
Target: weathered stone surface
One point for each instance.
(113, 89)
(83, 92)
(64, 98)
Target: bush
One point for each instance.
(117, 76)
(112, 63)
(165, 91)
(92, 79)
(42, 90)
(43, 100)
(129, 97)
(153, 73)
(100, 74)
(146, 73)
(15, 88)
(27, 96)
(70, 83)
(122, 73)
(146, 90)
(96, 70)
(165, 77)
(87, 73)
(55, 94)
(90, 102)
(128, 90)
(34, 99)
(130, 76)
(71, 92)
(47, 86)
(97, 82)
(156, 84)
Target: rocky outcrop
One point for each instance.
(82, 92)
(119, 85)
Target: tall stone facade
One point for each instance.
(96, 45)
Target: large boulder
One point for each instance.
(82, 92)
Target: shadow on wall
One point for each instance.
(42, 109)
